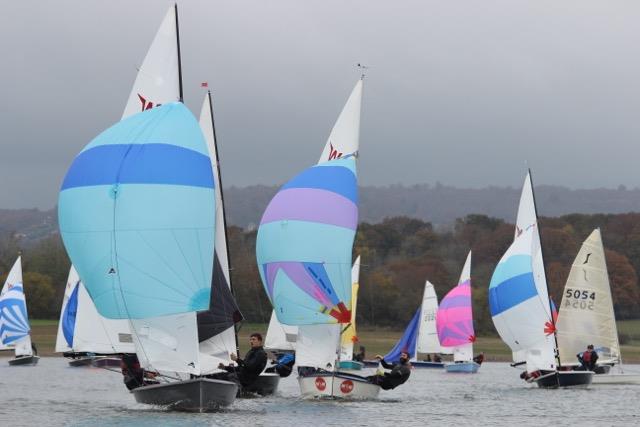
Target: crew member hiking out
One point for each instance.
(399, 374)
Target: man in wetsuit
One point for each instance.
(249, 368)
(588, 358)
(133, 374)
(399, 373)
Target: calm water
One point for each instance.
(52, 394)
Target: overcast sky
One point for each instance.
(462, 92)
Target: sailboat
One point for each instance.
(454, 322)
(137, 217)
(420, 336)
(85, 336)
(14, 321)
(226, 342)
(520, 305)
(586, 315)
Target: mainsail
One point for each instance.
(137, 216)
(454, 319)
(14, 321)
(586, 314)
(158, 81)
(428, 341)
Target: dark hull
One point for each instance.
(414, 363)
(106, 362)
(565, 379)
(198, 395)
(266, 384)
(24, 361)
(81, 362)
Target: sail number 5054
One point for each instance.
(581, 299)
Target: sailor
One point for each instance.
(133, 374)
(248, 369)
(437, 358)
(360, 355)
(283, 365)
(399, 374)
(588, 358)
(479, 359)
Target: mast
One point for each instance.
(224, 213)
(179, 57)
(544, 271)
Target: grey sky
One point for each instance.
(461, 92)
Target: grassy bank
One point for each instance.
(376, 341)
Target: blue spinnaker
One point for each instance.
(407, 342)
(69, 316)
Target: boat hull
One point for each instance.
(414, 363)
(630, 379)
(197, 395)
(80, 362)
(106, 362)
(339, 385)
(463, 368)
(24, 361)
(565, 379)
(266, 384)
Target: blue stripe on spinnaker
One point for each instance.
(338, 179)
(69, 316)
(139, 164)
(511, 292)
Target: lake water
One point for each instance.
(53, 394)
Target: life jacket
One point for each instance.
(586, 356)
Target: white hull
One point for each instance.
(337, 386)
(617, 379)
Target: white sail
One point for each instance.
(345, 135)
(92, 333)
(223, 344)
(279, 336)
(586, 313)
(14, 320)
(427, 341)
(464, 352)
(317, 346)
(349, 331)
(158, 78)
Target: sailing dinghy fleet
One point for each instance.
(141, 214)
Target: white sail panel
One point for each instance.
(463, 353)
(349, 336)
(317, 346)
(586, 313)
(168, 343)
(279, 336)
(158, 78)
(345, 135)
(220, 346)
(427, 334)
(526, 208)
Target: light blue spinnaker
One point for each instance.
(137, 216)
(304, 245)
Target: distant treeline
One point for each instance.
(398, 255)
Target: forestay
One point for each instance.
(454, 319)
(158, 78)
(586, 315)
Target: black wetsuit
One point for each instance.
(399, 374)
(133, 374)
(249, 368)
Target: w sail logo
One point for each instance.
(333, 153)
(146, 105)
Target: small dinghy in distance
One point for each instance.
(521, 308)
(454, 322)
(14, 321)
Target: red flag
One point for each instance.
(204, 84)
